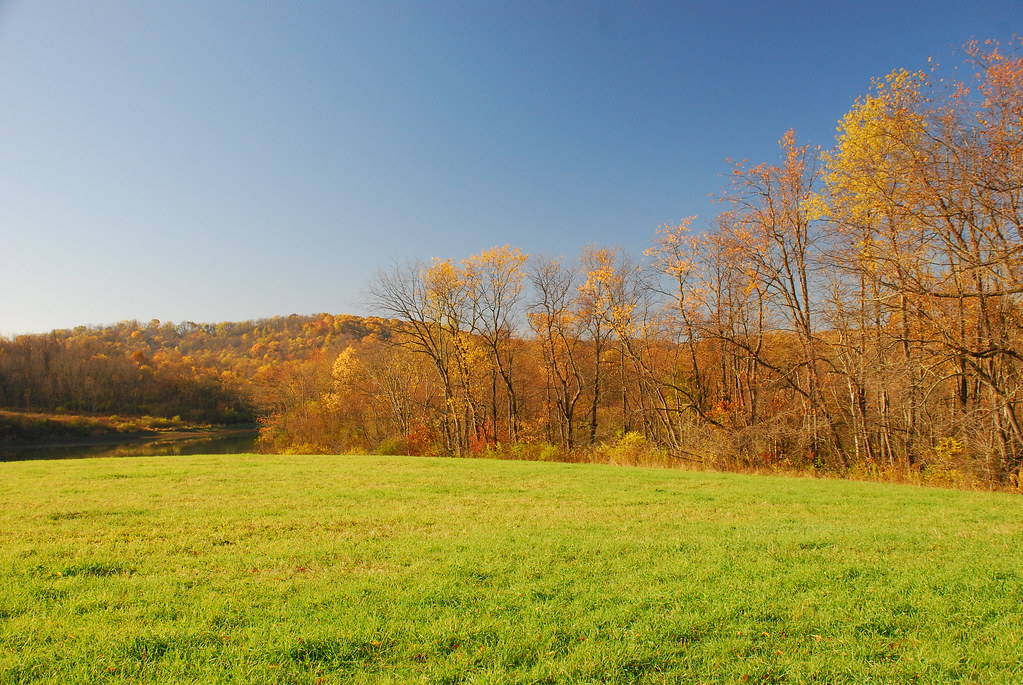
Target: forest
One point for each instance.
(198, 373)
(852, 310)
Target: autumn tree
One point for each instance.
(557, 328)
(495, 289)
(714, 305)
(435, 301)
(875, 204)
(775, 220)
(387, 390)
(926, 176)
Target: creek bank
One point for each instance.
(221, 440)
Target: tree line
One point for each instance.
(851, 308)
(207, 373)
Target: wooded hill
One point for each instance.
(207, 373)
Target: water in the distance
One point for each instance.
(221, 442)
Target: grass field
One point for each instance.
(285, 569)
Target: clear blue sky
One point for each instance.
(211, 160)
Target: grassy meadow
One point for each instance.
(294, 569)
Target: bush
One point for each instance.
(631, 449)
(392, 446)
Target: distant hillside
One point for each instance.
(197, 371)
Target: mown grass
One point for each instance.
(285, 569)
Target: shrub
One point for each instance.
(632, 449)
(392, 446)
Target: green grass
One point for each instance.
(285, 569)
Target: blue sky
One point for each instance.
(213, 160)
